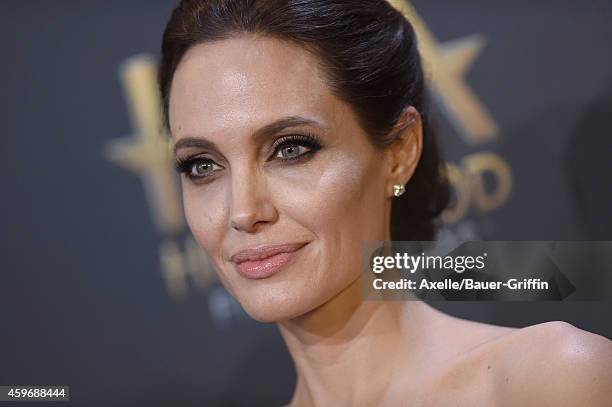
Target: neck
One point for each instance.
(348, 350)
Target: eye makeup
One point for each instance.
(187, 165)
(311, 142)
(293, 148)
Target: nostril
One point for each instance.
(246, 221)
(242, 223)
(249, 223)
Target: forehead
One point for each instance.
(243, 83)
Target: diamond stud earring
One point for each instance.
(398, 190)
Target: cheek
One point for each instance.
(352, 210)
(346, 196)
(347, 188)
(205, 214)
(341, 205)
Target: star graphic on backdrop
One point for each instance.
(147, 153)
(448, 64)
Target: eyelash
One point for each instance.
(311, 141)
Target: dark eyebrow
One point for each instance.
(280, 125)
(262, 133)
(195, 142)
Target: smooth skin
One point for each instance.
(348, 352)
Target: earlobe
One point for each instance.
(405, 150)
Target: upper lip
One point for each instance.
(263, 252)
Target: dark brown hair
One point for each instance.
(369, 55)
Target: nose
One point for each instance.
(251, 207)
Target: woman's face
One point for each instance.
(282, 184)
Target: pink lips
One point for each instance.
(265, 261)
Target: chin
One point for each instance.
(269, 305)
(291, 293)
(269, 311)
(267, 314)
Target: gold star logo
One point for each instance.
(448, 64)
(147, 153)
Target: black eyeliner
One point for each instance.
(312, 141)
(182, 165)
(185, 165)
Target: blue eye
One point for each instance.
(291, 152)
(295, 146)
(202, 168)
(197, 167)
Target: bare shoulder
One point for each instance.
(555, 363)
(548, 364)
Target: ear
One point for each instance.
(405, 152)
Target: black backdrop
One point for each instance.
(83, 299)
